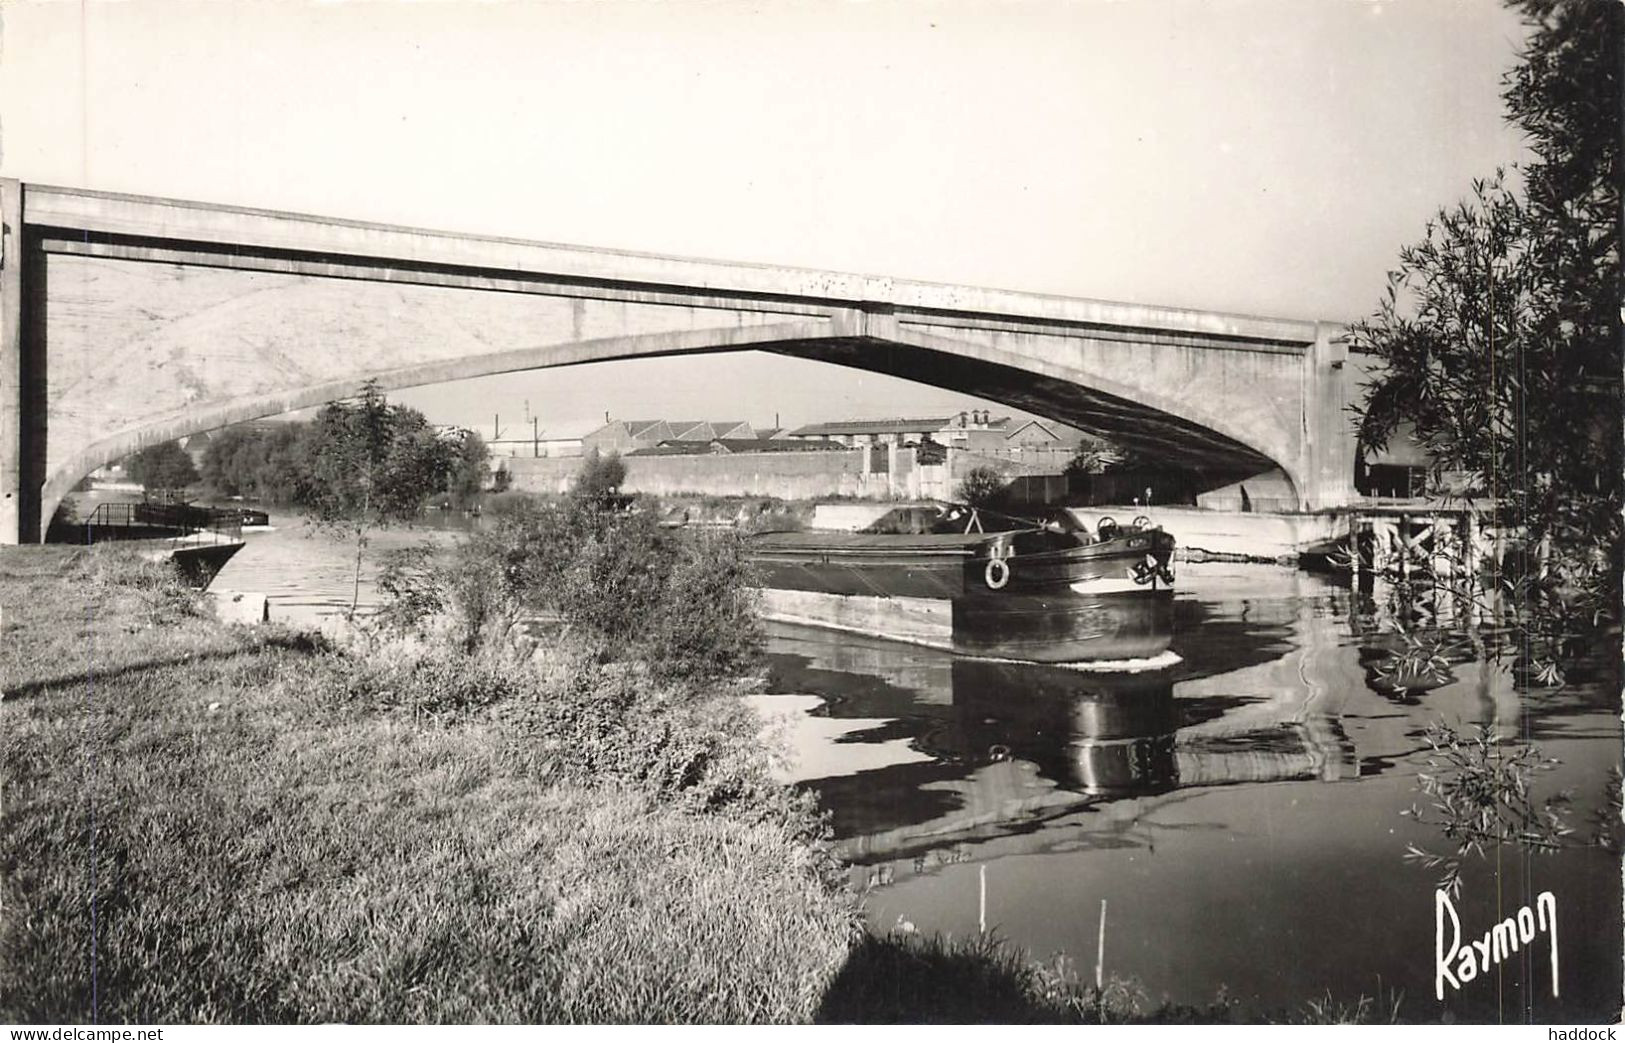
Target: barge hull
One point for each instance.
(954, 572)
(1050, 628)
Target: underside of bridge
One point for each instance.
(130, 321)
(1147, 433)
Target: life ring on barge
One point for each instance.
(997, 573)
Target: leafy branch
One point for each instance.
(1480, 796)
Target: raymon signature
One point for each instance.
(1457, 965)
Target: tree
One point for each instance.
(470, 468)
(162, 467)
(1093, 456)
(981, 487)
(371, 464)
(269, 462)
(1501, 330)
(219, 468)
(600, 477)
(282, 463)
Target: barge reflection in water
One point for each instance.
(1067, 627)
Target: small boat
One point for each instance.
(243, 516)
(979, 582)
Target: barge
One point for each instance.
(980, 583)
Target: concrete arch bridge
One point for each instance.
(126, 321)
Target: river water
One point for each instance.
(1239, 815)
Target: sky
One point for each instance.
(1254, 156)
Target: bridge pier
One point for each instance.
(1329, 440)
(22, 406)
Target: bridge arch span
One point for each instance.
(126, 321)
(1134, 417)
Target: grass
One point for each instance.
(907, 978)
(212, 824)
(903, 977)
(1363, 1010)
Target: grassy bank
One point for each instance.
(204, 823)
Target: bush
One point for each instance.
(905, 977)
(471, 465)
(705, 623)
(592, 724)
(622, 587)
(64, 524)
(600, 477)
(981, 487)
(165, 466)
(410, 589)
(506, 501)
(1093, 456)
(158, 589)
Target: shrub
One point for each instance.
(410, 589)
(1480, 790)
(586, 723)
(156, 586)
(611, 581)
(705, 623)
(905, 977)
(470, 466)
(506, 501)
(64, 524)
(569, 720)
(600, 477)
(165, 466)
(622, 587)
(1093, 456)
(981, 487)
